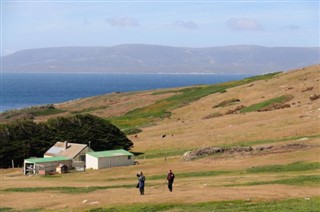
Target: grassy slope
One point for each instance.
(284, 179)
(161, 109)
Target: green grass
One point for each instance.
(303, 180)
(66, 189)
(270, 141)
(47, 112)
(292, 205)
(90, 109)
(161, 109)
(259, 106)
(131, 131)
(25, 210)
(44, 110)
(6, 209)
(297, 166)
(190, 174)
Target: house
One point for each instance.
(45, 165)
(74, 151)
(108, 159)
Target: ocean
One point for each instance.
(20, 90)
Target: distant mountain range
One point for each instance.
(138, 58)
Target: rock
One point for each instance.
(92, 203)
(308, 89)
(235, 110)
(303, 139)
(314, 97)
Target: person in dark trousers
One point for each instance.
(170, 178)
(141, 179)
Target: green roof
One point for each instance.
(46, 159)
(110, 153)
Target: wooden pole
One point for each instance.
(12, 161)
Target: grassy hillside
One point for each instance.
(268, 129)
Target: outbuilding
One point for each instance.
(46, 165)
(108, 159)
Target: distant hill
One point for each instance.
(138, 58)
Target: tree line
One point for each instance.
(23, 139)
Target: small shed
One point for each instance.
(61, 168)
(108, 159)
(45, 165)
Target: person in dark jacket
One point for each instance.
(141, 179)
(170, 178)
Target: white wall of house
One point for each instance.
(108, 162)
(91, 162)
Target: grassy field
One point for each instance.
(281, 173)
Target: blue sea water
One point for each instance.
(20, 90)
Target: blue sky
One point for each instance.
(37, 24)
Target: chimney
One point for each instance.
(65, 145)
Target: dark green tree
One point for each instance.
(84, 128)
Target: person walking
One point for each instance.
(141, 180)
(170, 178)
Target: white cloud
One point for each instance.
(186, 24)
(244, 24)
(122, 21)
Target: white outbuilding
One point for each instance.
(108, 159)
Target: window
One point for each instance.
(129, 157)
(82, 158)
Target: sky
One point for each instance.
(56, 23)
